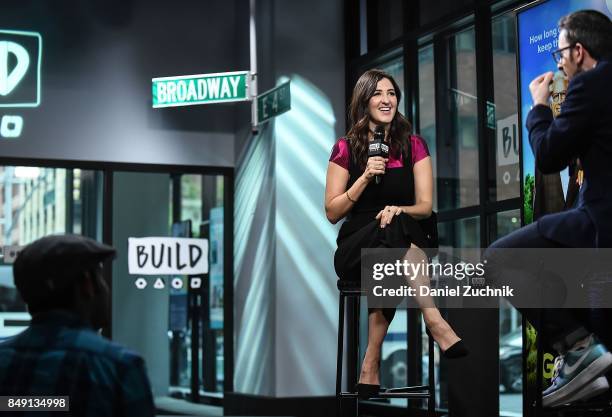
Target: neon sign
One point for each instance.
(20, 64)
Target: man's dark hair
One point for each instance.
(590, 28)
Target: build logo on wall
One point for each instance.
(20, 62)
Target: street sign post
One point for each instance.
(274, 102)
(188, 90)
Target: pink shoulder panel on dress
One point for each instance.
(419, 148)
(340, 153)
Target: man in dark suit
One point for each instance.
(583, 130)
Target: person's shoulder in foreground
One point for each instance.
(61, 354)
(58, 355)
(62, 331)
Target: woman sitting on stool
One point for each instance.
(382, 215)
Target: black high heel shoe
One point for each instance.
(367, 391)
(456, 350)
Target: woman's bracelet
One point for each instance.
(349, 197)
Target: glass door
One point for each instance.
(174, 321)
(35, 202)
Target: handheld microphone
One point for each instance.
(378, 147)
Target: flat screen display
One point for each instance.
(538, 37)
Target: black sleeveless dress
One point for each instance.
(362, 230)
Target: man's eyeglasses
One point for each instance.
(558, 54)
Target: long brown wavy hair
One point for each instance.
(359, 118)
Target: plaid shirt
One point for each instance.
(59, 355)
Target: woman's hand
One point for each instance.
(376, 165)
(387, 214)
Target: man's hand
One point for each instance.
(539, 88)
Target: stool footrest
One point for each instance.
(407, 389)
(404, 395)
(385, 394)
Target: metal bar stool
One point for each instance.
(353, 289)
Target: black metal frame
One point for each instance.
(479, 14)
(528, 409)
(519, 98)
(108, 169)
(68, 201)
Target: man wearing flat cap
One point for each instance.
(62, 354)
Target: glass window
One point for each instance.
(441, 400)
(35, 202)
(394, 356)
(504, 157)
(212, 365)
(427, 108)
(510, 360)
(500, 224)
(457, 152)
(430, 11)
(463, 233)
(385, 21)
(78, 202)
(142, 205)
(191, 201)
(510, 330)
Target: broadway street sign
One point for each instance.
(187, 90)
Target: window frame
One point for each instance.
(108, 169)
(480, 15)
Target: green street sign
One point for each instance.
(188, 90)
(491, 122)
(273, 102)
